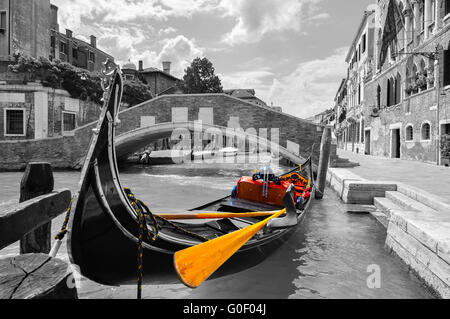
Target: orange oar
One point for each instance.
(214, 215)
(195, 264)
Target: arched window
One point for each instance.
(409, 133)
(426, 132)
(391, 85)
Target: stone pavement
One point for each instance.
(431, 178)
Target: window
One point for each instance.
(69, 122)
(447, 7)
(446, 63)
(398, 86)
(15, 122)
(379, 97)
(409, 133)
(364, 41)
(75, 53)
(3, 21)
(63, 47)
(426, 132)
(91, 56)
(52, 41)
(389, 92)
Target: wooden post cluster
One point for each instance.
(36, 181)
(325, 151)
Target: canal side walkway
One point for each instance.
(427, 177)
(412, 200)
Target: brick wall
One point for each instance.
(64, 152)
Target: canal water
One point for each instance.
(333, 254)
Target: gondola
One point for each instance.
(103, 229)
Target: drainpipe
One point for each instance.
(438, 106)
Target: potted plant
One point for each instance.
(421, 82)
(411, 88)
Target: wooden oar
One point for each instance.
(195, 264)
(213, 215)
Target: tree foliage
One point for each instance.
(135, 92)
(200, 78)
(80, 83)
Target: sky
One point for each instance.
(292, 52)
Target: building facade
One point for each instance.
(160, 81)
(25, 27)
(360, 58)
(31, 27)
(406, 100)
(28, 110)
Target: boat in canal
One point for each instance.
(107, 221)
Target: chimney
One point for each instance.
(54, 17)
(141, 65)
(166, 66)
(93, 41)
(69, 33)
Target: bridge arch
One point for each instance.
(134, 140)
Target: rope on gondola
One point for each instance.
(142, 210)
(62, 233)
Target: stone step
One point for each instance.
(386, 205)
(430, 229)
(438, 203)
(407, 203)
(344, 163)
(382, 217)
(425, 262)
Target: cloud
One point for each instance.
(256, 18)
(311, 88)
(123, 11)
(180, 51)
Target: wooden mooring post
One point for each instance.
(36, 181)
(325, 151)
(34, 275)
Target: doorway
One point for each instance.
(395, 143)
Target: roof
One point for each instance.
(79, 41)
(155, 70)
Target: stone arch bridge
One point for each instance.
(154, 119)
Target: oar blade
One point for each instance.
(196, 264)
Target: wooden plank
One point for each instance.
(35, 276)
(20, 219)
